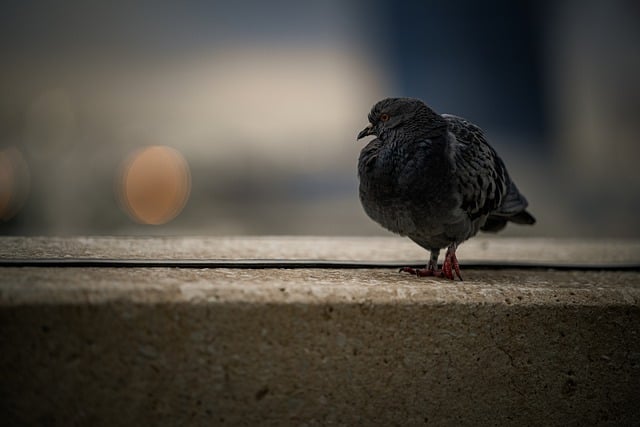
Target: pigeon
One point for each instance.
(435, 179)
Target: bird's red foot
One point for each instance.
(451, 266)
(421, 272)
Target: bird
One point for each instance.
(435, 179)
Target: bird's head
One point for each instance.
(407, 113)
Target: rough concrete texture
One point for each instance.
(322, 248)
(97, 346)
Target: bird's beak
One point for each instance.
(366, 131)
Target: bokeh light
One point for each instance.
(154, 184)
(14, 182)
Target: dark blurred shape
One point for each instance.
(154, 185)
(14, 182)
(466, 58)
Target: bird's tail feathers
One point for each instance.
(495, 223)
(512, 209)
(523, 217)
(513, 203)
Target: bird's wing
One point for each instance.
(482, 177)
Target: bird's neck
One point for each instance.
(433, 139)
(430, 123)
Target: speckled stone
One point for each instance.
(158, 346)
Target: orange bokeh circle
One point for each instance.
(154, 184)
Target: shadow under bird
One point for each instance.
(435, 179)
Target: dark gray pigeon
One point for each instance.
(435, 179)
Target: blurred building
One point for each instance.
(262, 102)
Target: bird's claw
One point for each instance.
(450, 269)
(411, 270)
(420, 272)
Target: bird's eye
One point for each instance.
(384, 117)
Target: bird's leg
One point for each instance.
(451, 265)
(429, 270)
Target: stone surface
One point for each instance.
(102, 346)
(322, 248)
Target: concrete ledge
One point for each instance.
(96, 346)
(597, 251)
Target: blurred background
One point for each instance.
(230, 118)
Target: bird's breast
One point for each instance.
(405, 194)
